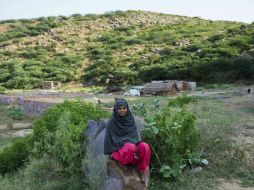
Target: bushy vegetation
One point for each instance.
(16, 112)
(116, 48)
(54, 154)
(182, 135)
(42, 173)
(28, 28)
(31, 73)
(179, 51)
(60, 133)
(16, 155)
(172, 136)
(2, 90)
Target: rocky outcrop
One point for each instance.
(122, 179)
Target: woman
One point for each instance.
(122, 141)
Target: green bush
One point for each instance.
(16, 155)
(16, 112)
(2, 90)
(43, 173)
(60, 133)
(173, 138)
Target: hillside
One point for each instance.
(124, 47)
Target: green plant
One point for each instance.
(2, 90)
(15, 155)
(44, 173)
(181, 101)
(139, 109)
(172, 136)
(16, 112)
(60, 133)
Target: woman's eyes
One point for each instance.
(122, 109)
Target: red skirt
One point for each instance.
(134, 154)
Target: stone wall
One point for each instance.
(29, 106)
(243, 90)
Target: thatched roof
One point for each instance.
(158, 86)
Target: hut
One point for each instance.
(51, 85)
(184, 85)
(160, 88)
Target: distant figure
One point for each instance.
(248, 91)
(122, 141)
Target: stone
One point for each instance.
(23, 132)
(127, 179)
(21, 125)
(196, 170)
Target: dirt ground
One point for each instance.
(233, 185)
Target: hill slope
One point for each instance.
(124, 47)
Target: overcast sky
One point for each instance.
(234, 10)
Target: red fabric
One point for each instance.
(125, 155)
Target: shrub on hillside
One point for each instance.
(60, 133)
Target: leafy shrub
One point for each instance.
(139, 109)
(43, 173)
(60, 133)
(173, 138)
(2, 90)
(16, 112)
(16, 155)
(216, 37)
(28, 29)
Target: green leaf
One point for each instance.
(151, 124)
(155, 130)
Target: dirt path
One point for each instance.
(233, 185)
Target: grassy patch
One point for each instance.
(6, 119)
(219, 122)
(6, 141)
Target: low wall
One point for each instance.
(29, 106)
(33, 107)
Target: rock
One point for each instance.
(128, 179)
(21, 125)
(196, 170)
(23, 132)
(242, 90)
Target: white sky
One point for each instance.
(234, 10)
